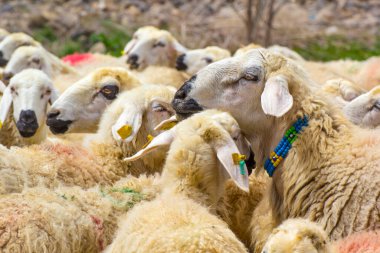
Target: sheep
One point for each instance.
(304, 236)
(26, 97)
(192, 61)
(332, 165)
(199, 162)
(152, 46)
(38, 58)
(342, 90)
(69, 219)
(100, 161)
(80, 107)
(364, 110)
(11, 42)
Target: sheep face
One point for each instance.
(151, 46)
(198, 145)
(80, 107)
(27, 57)
(297, 236)
(11, 43)
(194, 60)
(364, 110)
(29, 91)
(146, 107)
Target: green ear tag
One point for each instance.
(242, 170)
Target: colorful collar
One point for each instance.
(282, 149)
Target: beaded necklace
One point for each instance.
(282, 149)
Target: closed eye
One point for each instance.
(159, 44)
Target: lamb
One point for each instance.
(152, 46)
(69, 219)
(303, 236)
(11, 42)
(199, 162)
(100, 162)
(80, 107)
(38, 58)
(192, 61)
(28, 93)
(268, 94)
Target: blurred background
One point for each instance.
(317, 29)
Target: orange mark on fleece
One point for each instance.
(99, 228)
(62, 149)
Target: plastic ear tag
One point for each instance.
(1, 124)
(150, 139)
(239, 160)
(168, 125)
(125, 131)
(122, 52)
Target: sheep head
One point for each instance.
(151, 46)
(263, 91)
(342, 89)
(201, 152)
(13, 41)
(194, 60)
(297, 236)
(364, 110)
(80, 107)
(29, 91)
(28, 57)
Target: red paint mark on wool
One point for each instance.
(360, 242)
(76, 58)
(99, 228)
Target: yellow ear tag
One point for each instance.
(237, 158)
(125, 131)
(168, 125)
(122, 52)
(1, 124)
(150, 139)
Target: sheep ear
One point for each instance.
(53, 96)
(129, 46)
(225, 156)
(5, 105)
(2, 87)
(127, 125)
(179, 47)
(164, 139)
(276, 99)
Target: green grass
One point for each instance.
(337, 47)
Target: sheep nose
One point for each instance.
(28, 116)
(132, 59)
(180, 62)
(53, 114)
(7, 77)
(183, 91)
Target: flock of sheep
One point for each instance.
(167, 149)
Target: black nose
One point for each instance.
(53, 114)
(184, 90)
(180, 62)
(3, 62)
(132, 59)
(28, 117)
(182, 103)
(27, 124)
(7, 77)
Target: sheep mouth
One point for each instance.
(58, 126)
(186, 108)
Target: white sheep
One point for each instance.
(69, 219)
(199, 162)
(39, 58)
(330, 168)
(193, 60)
(80, 107)
(152, 46)
(53, 163)
(26, 97)
(11, 42)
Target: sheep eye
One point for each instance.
(159, 108)
(48, 92)
(159, 44)
(110, 91)
(251, 77)
(377, 106)
(13, 89)
(208, 60)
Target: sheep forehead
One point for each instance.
(30, 78)
(116, 73)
